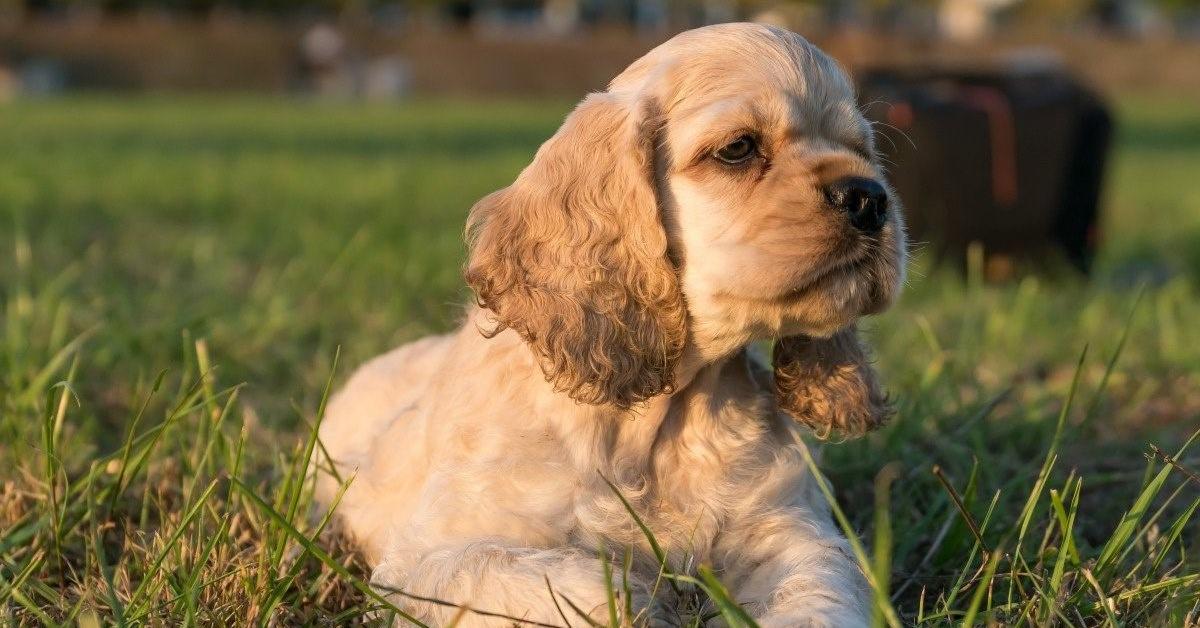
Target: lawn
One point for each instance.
(178, 276)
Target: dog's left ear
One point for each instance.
(829, 384)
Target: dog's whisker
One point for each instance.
(902, 133)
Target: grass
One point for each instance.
(179, 275)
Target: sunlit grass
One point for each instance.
(176, 277)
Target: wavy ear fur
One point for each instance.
(829, 385)
(573, 257)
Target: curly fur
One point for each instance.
(577, 264)
(620, 281)
(829, 385)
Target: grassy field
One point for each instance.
(177, 277)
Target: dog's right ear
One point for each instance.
(829, 384)
(573, 257)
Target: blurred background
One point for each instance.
(1050, 133)
(225, 195)
(390, 50)
(184, 160)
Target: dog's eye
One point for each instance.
(737, 151)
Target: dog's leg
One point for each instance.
(791, 571)
(498, 578)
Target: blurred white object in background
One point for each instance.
(323, 45)
(385, 77)
(969, 20)
(561, 16)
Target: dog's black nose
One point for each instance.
(864, 201)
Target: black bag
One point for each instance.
(1011, 159)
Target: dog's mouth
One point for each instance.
(850, 264)
(860, 276)
(864, 277)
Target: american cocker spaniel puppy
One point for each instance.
(723, 190)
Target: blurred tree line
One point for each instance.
(184, 6)
(453, 6)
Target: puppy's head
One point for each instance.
(724, 189)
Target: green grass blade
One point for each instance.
(321, 555)
(860, 554)
(173, 540)
(280, 587)
(982, 588)
(1174, 533)
(659, 554)
(313, 437)
(1098, 396)
(1104, 601)
(882, 545)
(1120, 542)
(114, 601)
(610, 597)
(626, 585)
(733, 613)
(1064, 550)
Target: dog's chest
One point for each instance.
(685, 492)
(567, 476)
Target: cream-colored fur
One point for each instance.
(620, 280)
